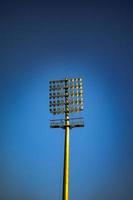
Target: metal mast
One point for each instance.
(66, 97)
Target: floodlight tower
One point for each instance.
(66, 97)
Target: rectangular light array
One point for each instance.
(66, 92)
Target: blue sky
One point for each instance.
(41, 42)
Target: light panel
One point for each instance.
(66, 96)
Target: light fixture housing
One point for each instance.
(66, 92)
(66, 97)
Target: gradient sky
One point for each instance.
(42, 41)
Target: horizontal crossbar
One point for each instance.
(61, 123)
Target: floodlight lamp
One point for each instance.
(81, 102)
(72, 86)
(82, 107)
(72, 79)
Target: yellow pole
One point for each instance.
(66, 163)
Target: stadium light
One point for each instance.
(66, 97)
